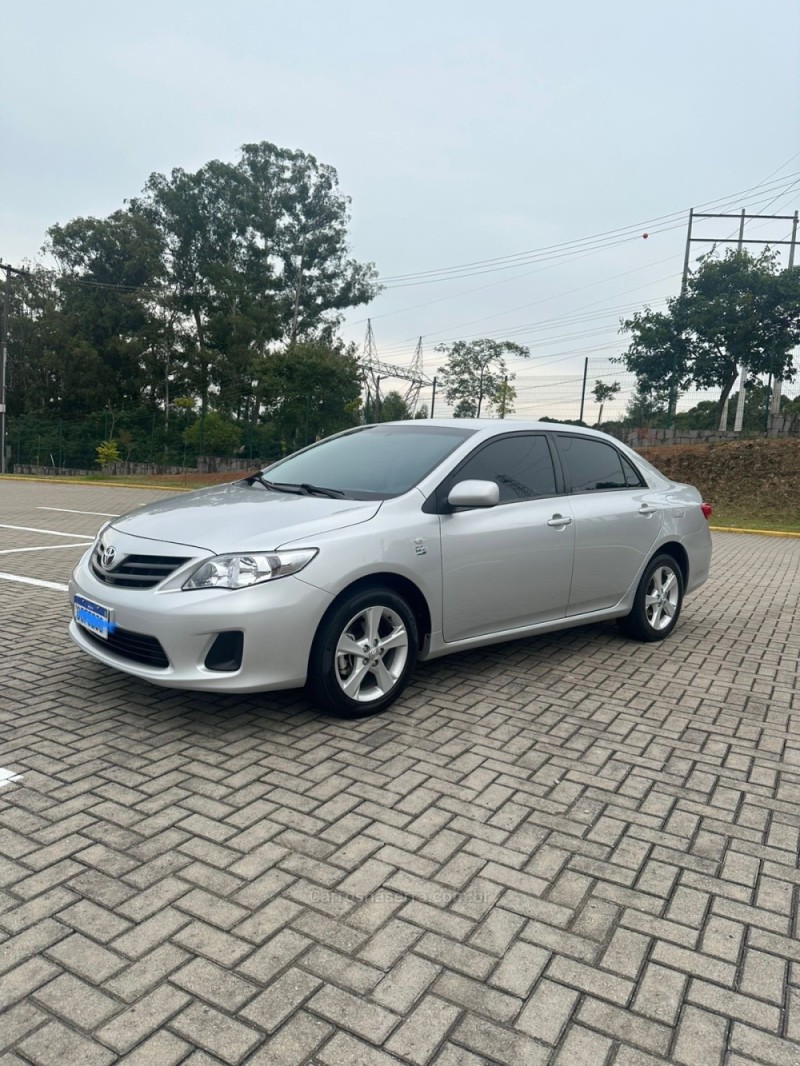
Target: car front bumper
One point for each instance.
(278, 620)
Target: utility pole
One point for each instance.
(741, 217)
(583, 387)
(775, 399)
(4, 359)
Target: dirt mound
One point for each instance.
(746, 481)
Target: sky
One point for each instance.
(463, 132)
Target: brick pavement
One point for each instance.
(569, 850)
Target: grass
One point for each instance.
(742, 516)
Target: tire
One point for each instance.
(363, 654)
(657, 603)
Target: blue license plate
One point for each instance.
(94, 617)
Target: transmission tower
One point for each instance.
(417, 374)
(375, 370)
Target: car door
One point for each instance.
(507, 566)
(617, 520)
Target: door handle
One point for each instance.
(647, 509)
(558, 521)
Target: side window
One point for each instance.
(591, 465)
(633, 479)
(521, 466)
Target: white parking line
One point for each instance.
(69, 510)
(48, 548)
(34, 581)
(50, 532)
(8, 777)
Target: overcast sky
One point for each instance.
(463, 131)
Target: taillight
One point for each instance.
(706, 509)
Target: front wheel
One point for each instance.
(363, 654)
(657, 603)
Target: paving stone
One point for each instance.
(271, 1008)
(660, 993)
(215, 984)
(582, 1047)
(55, 1044)
(366, 1020)
(85, 958)
(476, 997)
(499, 1044)
(624, 1026)
(765, 1047)
(220, 1035)
(421, 1034)
(161, 1049)
(142, 1018)
(405, 983)
(77, 1002)
(294, 1042)
(701, 1038)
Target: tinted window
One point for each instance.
(633, 478)
(521, 466)
(590, 465)
(376, 461)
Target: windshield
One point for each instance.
(371, 462)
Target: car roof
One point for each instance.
(497, 425)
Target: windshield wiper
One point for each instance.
(297, 490)
(302, 489)
(321, 490)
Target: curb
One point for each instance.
(100, 484)
(757, 532)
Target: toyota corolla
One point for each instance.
(343, 564)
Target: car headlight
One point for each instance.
(240, 571)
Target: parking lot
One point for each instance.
(574, 849)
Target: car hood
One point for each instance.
(240, 517)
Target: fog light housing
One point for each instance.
(225, 654)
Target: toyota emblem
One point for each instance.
(107, 557)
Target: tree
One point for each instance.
(474, 375)
(315, 390)
(646, 409)
(659, 352)
(738, 311)
(394, 408)
(603, 392)
(256, 255)
(219, 436)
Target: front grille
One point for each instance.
(136, 571)
(137, 647)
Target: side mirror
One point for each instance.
(474, 494)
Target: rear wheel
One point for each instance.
(363, 654)
(657, 603)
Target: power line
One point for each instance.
(628, 232)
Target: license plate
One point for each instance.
(94, 617)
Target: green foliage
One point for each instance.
(603, 392)
(736, 311)
(213, 435)
(473, 377)
(312, 389)
(197, 289)
(107, 453)
(394, 408)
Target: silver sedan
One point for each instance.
(343, 564)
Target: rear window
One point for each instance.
(591, 465)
